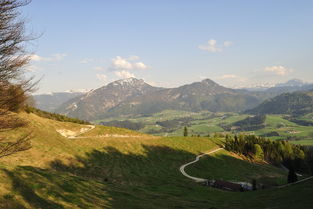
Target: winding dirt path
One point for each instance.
(196, 179)
(200, 180)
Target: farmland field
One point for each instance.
(204, 123)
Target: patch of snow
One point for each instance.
(72, 106)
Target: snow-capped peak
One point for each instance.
(292, 83)
(128, 82)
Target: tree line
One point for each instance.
(294, 157)
(53, 116)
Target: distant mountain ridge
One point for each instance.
(293, 82)
(296, 103)
(50, 102)
(135, 97)
(289, 86)
(90, 105)
(204, 95)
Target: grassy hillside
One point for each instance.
(118, 168)
(222, 165)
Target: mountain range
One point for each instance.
(96, 102)
(135, 97)
(49, 102)
(296, 103)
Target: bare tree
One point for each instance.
(13, 56)
(13, 59)
(9, 148)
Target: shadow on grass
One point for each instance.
(226, 167)
(28, 193)
(109, 178)
(106, 178)
(8, 201)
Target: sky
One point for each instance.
(87, 44)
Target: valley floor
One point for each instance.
(204, 123)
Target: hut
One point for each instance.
(220, 184)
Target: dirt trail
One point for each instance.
(199, 180)
(196, 179)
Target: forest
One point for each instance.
(299, 158)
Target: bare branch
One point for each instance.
(10, 148)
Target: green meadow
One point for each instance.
(118, 168)
(207, 123)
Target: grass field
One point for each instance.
(222, 165)
(137, 171)
(207, 123)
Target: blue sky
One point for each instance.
(86, 44)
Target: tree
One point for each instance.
(292, 176)
(254, 184)
(13, 60)
(13, 56)
(258, 152)
(185, 131)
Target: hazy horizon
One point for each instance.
(256, 86)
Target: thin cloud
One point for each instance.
(227, 43)
(101, 77)
(133, 57)
(124, 74)
(278, 70)
(98, 68)
(86, 60)
(119, 64)
(140, 66)
(52, 58)
(213, 47)
(231, 77)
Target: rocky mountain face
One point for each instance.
(89, 106)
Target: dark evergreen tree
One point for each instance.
(292, 176)
(254, 185)
(185, 131)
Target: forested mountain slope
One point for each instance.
(297, 103)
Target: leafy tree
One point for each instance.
(258, 152)
(275, 152)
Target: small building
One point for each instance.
(220, 184)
